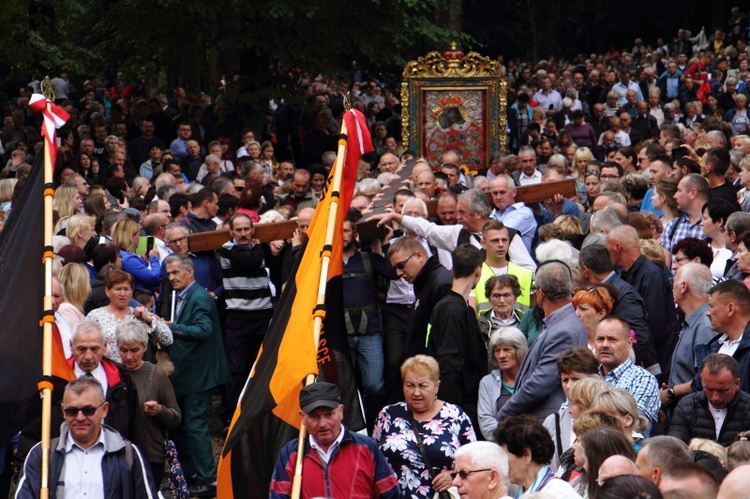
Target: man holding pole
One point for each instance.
(337, 462)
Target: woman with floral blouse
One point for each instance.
(443, 427)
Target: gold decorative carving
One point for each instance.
(405, 112)
(452, 64)
(455, 75)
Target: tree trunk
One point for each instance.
(455, 15)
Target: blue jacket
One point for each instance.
(122, 480)
(357, 468)
(538, 391)
(145, 277)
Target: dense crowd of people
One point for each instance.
(586, 346)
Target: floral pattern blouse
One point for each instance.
(109, 323)
(443, 435)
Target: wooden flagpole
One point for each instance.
(335, 193)
(48, 257)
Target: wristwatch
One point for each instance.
(670, 394)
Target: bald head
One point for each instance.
(735, 484)
(419, 167)
(625, 235)
(620, 209)
(623, 245)
(304, 217)
(615, 466)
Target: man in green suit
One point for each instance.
(200, 366)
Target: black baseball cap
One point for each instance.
(319, 394)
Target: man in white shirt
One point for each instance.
(548, 98)
(622, 87)
(528, 174)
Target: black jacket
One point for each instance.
(692, 419)
(629, 306)
(651, 283)
(430, 286)
(457, 343)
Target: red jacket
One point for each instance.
(357, 468)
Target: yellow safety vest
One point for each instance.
(525, 277)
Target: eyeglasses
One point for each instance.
(87, 411)
(592, 172)
(401, 265)
(534, 288)
(502, 296)
(464, 474)
(681, 259)
(178, 240)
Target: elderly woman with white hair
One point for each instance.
(481, 471)
(508, 346)
(155, 392)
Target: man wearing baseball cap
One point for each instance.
(337, 462)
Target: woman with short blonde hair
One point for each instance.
(422, 425)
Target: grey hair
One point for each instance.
(561, 158)
(478, 202)
(554, 249)
(498, 155)
(528, 149)
(480, 180)
(511, 336)
(131, 331)
(486, 455)
(509, 179)
(177, 225)
(368, 187)
(738, 222)
(80, 385)
(555, 279)
(212, 157)
(614, 197)
(717, 135)
(185, 262)
(697, 276)
(666, 452)
(417, 201)
(604, 221)
(594, 238)
(86, 326)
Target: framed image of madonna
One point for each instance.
(457, 102)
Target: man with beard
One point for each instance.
(362, 313)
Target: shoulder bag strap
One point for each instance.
(420, 443)
(558, 436)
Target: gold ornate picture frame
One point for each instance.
(454, 101)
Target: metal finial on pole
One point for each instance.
(45, 87)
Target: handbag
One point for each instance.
(176, 476)
(163, 360)
(451, 493)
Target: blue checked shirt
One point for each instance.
(638, 382)
(679, 228)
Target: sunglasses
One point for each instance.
(464, 474)
(401, 265)
(87, 411)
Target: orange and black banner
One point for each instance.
(267, 415)
(21, 309)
